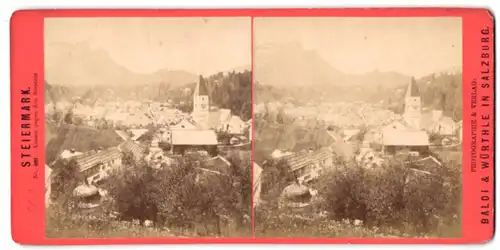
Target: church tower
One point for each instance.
(412, 113)
(201, 103)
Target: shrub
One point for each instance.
(179, 196)
(392, 196)
(128, 158)
(65, 179)
(165, 146)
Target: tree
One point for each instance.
(165, 146)
(179, 195)
(223, 137)
(65, 179)
(68, 118)
(128, 158)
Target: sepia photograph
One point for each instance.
(358, 127)
(148, 127)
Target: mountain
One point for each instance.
(291, 65)
(80, 65)
(290, 70)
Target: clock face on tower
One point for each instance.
(203, 105)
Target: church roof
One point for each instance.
(201, 87)
(405, 138)
(194, 137)
(413, 89)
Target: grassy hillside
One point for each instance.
(269, 137)
(81, 138)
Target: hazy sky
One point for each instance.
(199, 45)
(412, 46)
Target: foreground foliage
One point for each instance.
(178, 200)
(393, 201)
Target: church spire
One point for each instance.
(412, 114)
(412, 90)
(201, 87)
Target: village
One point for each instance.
(351, 134)
(153, 133)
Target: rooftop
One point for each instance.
(194, 137)
(92, 159)
(405, 138)
(304, 158)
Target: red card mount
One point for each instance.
(44, 137)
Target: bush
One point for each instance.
(178, 196)
(392, 196)
(128, 158)
(66, 177)
(165, 146)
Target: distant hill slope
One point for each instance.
(77, 70)
(269, 137)
(80, 65)
(289, 70)
(305, 74)
(286, 65)
(81, 138)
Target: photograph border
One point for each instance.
(27, 72)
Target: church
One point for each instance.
(208, 117)
(201, 104)
(407, 133)
(434, 122)
(413, 106)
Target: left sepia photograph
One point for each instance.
(148, 127)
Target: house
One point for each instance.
(397, 125)
(235, 126)
(441, 125)
(122, 134)
(137, 133)
(183, 140)
(137, 150)
(349, 133)
(224, 115)
(67, 154)
(308, 165)
(412, 140)
(48, 184)
(96, 164)
(185, 124)
(257, 184)
(276, 154)
(137, 120)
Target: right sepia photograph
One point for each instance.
(357, 127)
